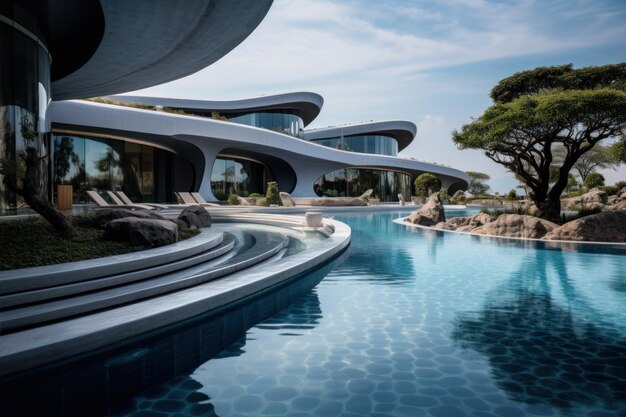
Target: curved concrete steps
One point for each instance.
(27, 279)
(226, 244)
(254, 248)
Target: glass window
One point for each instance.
(99, 158)
(372, 144)
(354, 182)
(238, 176)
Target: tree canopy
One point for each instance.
(539, 110)
(427, 183)
(477, 184)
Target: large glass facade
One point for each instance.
(352, 182)
(374, 144)
(238, 176)
(278, 121)
(106, 164)
(24, 97)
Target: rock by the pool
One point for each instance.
(608, 226)
(516, 225)
(195, 216)
(105, 215)
(430, 213)
(593, 199)
(143, 232)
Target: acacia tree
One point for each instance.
(535, 111)
(598, 157)
(477, 184)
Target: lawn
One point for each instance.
(33, 242)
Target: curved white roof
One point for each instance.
(305, 104)
(402, 131)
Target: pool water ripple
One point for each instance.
(416, 323)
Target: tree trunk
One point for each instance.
(42, 206)
(32, 194)
(550, 208)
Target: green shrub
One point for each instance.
(609, 189)
(233, 199)
(620, 184)
(272, 196)
(427, 183)
(255, 195)
(512, 195)
(593, 180)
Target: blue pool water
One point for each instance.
(422, 323)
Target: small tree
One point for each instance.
(426, 184)
(593, 180)
(28, 183)
(477, 184)
(272, 196)
(512, 195)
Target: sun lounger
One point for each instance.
(101, 202)
(188, 200)
(200, 200)
(122, 195)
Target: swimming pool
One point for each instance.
(426, 323)
(412, 323)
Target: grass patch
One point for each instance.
(34, 242)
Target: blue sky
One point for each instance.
(432, 62)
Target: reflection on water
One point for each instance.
(541, 352)
(373, 257)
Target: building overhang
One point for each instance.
(147, 42)
(304, 104)
(402, 131)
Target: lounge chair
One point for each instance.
(118, 202)
(122, 195)
(188, 200)
(366, 194)
(198, 197)
(243, 201)
(287, 200)
(101, 202)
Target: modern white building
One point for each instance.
(152, 147)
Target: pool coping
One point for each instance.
(47, 344)
(620, 245)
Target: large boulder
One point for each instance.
(143, 232)
(337, 201)
(195, 216)
(609, 226)
(430, 213)
(517, 225)
(466, 224)
(105, 215)
(619, 202)
(593, 199)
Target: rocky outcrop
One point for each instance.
(195, 217)
(609, 226)
(618, 202)
(105, 215)
(143, 232)
(516, 225)
(337, 201)
(465, 224)
(430, 214)
(593, 199)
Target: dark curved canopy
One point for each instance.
(124, 45)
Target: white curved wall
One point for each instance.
(309, 160)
